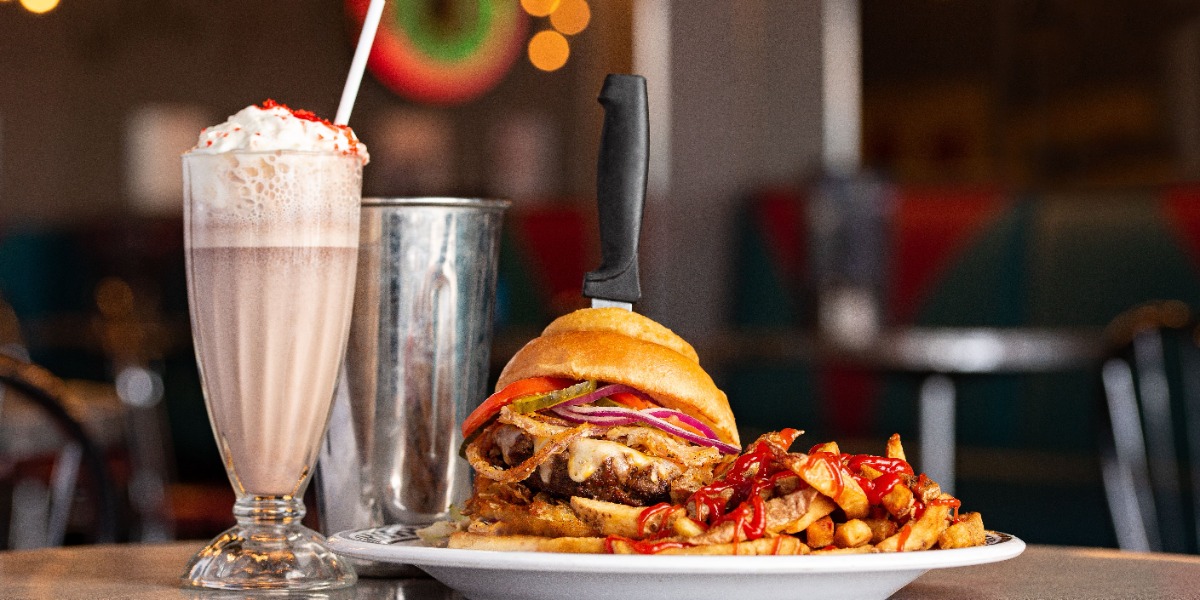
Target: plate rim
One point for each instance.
(419, 555)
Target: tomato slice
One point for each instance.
(523, 387)
(680, 424)
(636, 402)
(631, 401)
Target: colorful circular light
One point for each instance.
(548, 50)
(444, 51)
(540, 8)
(571, 17)
(39, 6)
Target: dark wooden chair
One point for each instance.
(51, 394)
(1150, 438)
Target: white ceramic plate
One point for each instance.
(486, 575)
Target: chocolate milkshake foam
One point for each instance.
(272, 240)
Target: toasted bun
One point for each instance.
(624, 322)
(618, 346)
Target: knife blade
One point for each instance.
(620, 191)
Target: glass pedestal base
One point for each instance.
(268, 550)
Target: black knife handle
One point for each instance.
(621, 188)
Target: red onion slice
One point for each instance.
(568, 413)
(606, 416)
(664, 413)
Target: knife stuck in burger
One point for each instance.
(606, 405)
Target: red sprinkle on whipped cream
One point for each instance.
(275, 126)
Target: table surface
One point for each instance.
(152, 571)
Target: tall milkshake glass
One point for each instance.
(272, 242)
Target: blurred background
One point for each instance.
(931, 217)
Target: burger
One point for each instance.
(605, 405)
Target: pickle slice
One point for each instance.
(546, 400)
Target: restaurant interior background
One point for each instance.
(1026, 165)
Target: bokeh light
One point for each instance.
(540, 8)
(571, 17)
(39, 6)
(548, 50)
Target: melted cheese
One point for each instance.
(507, 437)
(585, 456)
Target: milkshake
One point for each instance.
(271, 235)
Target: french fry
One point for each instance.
(526, 543)
(899, 501)
(852, 534)
(894, 448)
(763, 546)
(921, 534)
(881, 529)
(855, 550)
(780, 441)
(610, 518)
(925, 489)
(820, 533)
(683, 526)
(832, 480)
(780, 509)
(538, 516)
(798, 503)
(870, 472)
(966, 533)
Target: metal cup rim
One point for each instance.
(438, 201)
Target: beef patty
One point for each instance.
(624, 484)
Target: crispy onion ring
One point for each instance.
(658, 443)
(534, 425)
(557, 443)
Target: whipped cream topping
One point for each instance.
(274, 126)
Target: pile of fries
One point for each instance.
(772, 501)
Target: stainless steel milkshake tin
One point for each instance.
(416, 363)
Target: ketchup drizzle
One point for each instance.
(643, 521)
(737, 496)
(641, 547)
(903, 536)
(953, 503)
(879, 487)
(749, 518)
(748, 477)
(832, 463)
(882, 464)
(742, 486)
